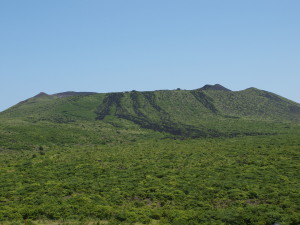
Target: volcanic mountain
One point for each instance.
(208, 111)
(203, 156)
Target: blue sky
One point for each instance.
(117, 45)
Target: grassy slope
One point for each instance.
(181, 110)
(256, 104)
(56, 109)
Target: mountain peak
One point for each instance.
(217, 87)
(41, 94)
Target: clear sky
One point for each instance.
(119, 45)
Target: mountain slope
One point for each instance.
(61, 107)
(206, 112)
(255, 103)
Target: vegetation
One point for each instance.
(164, 157)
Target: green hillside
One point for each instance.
(205, 112)
(204, 156)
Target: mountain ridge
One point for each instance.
(210, 111)
(207, 87)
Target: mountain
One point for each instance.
(203, 156)
(210, 111)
